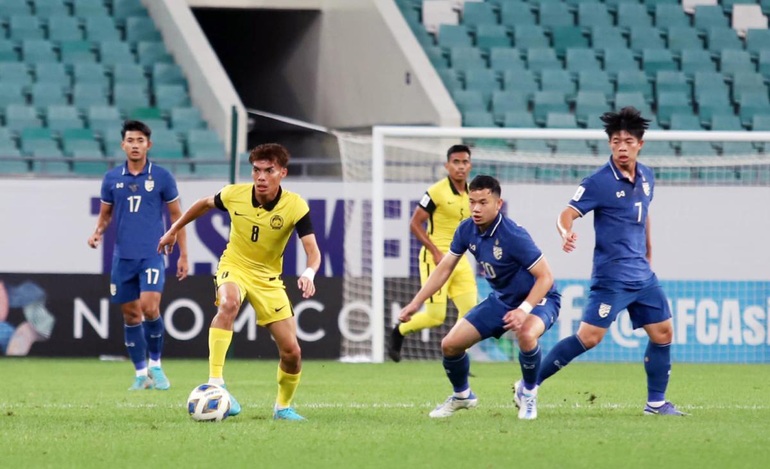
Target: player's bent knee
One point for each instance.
(527, 337)
(451, 349)
(291, 355)
(229, 307)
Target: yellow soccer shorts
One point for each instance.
(460, 282)
(266, 295)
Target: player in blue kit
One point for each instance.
(619, 193)
(523, 297)
(135, 194)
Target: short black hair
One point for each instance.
(458, 149)
(482, 181)
(138, 126)
(274, 152)
(629, 119)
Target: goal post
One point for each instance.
(386, 172)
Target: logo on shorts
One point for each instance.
(278, 309)
(604, 310)
(149, 185)
(472, 247)
(113, 289)
(276, 222)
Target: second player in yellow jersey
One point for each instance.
(443, 206)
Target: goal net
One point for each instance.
(708, 217)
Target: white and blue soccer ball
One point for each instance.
(208, 403)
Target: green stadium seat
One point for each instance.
(541, 58)
(655, 60)
(23, 27)
(89, 168)
(714, 102)
(554, 14)
(452, 35)
(51, 9)
(167, 74)
(564, 37)
(103, 118)
(63, 117)
(492, 35)
(573, 147)
(508, 101)
(450, 79)
(186, 118)
(670, 102)
(596, 80)
(152, 52)
(588, 103)
(14, 8)
(42, 149)
(685, 121)
(757, 40)
(720, 39)
(696, 148)
(73, 52)
(38, 50)
(554, 173)
(641, 38)
(579, 59)
(82, 149)
(591, 14)
(64, 28)
(129, 97)
(603, 37)
(735, 61)
(470, 119)
(747, 82)
(668, 15)
(522, 81)
(531, 146)
(681, 38)
(47, 94)
(20, 116)
(85, 95)
(141, 28)
(202, 136)
(761, 122)
(516, 13)
(52, 72)
(548, 101)
(670, 80)
(657, 148)
(632, 98)
(529, 36)
(115, 52)
(558, 80)
(168, 96)
(502, 59)
(634, 81)
(752, 103)
(130, 73)
(128, 8)
(478, 14)
(13, 166)
(696, 60)
(145, 113)
(15, 73)
(11, 93)
(617, 60)
(91, 73)
(708, 16)
(561, 120)
(8, 51)
(519, 119)
(465, 58)
(631, 15)
(101, 28)
(672, 175)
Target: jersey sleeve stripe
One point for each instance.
(575, 209)
(172, 200)
(535, 263)
(105, 202)
(454, 253)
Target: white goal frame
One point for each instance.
(381, 133)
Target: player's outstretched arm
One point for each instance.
(564, 226)
(543, 282)
(105, 216)
(182, 266)
(169, 238)
(417, 227)
(435, 281)
(305, 281)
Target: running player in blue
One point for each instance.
(523, 297)
(135, 194)
(619, 193)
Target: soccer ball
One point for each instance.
(208, 403)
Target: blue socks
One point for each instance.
(657, 365)
(136, 345)
(560, 356)
(457, 369)
(153, 333)
(530, 365)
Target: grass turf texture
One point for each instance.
(77, 413)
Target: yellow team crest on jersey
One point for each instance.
(276, 222)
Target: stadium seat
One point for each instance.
(52, 72)
(14, 8)
(539, 59)
(668, 80)
(47, 94)
(168, 96)
(85, 95)
(528, 36)
(20, 116)
(697, 148)
(548, 101)
(761, 122)
(632, 98)
(470, 119)
(560, 81)
(591, 14)
(713, 102)
(453, 35)
(11, 93)
(734, 61)
(668, 15)
(752, 103)
(91, 73)
(681, 38)
(670, 102)
(126, 73)
(151, 52)
(720, 39)
(103, 119)
(554, 14)
(657, 148)
(502, 59)
(617, 60)
(475, 15)
(696, 60)
(516, 13)
(561, 120)
(564, 37)
(167, 74)
(492, 35)
(186, 118)
(140, 28)
(63, 117)
(127, 8)
(129, 96)
(596, 80)
(634, 81)
(63, 27)
(707, 16)
(38, 50)
(115, 52)
(23, 27)
(16, 73)
(632, 15)
(685, 121)
(757, 40)
(523, 81)
(589, 103)
(508, 101)
(579, 59)
(73, 52)
(747, 82)
(51, 9)
(461, 58)
(101, 28)
(655, 60)
(519, 119)
(603, 37)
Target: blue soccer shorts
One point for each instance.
(130, 277)
(646, 304)
(487, 316)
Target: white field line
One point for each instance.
(377, 405)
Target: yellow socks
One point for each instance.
(219, 342)
(287, 386)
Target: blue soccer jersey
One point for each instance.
(620, 217)
(137, 208)
(506, 252)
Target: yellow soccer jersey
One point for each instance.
(259, 233)
(447, 208)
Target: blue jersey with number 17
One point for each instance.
(506, 252)
(137, 207)
(620, 221)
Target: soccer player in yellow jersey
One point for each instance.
(263, 216)
(444, 205)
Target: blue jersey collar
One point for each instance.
(618, 175)
(493, 227)
(146, 170)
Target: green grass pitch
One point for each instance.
(77, 413)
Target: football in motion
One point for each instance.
(208, 403)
